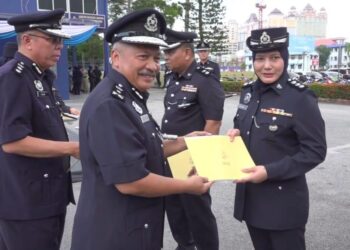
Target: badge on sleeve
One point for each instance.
(38, 85)
(137, 107)
(247, 97)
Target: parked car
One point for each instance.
(332, 77)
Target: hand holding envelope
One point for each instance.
(215, 157)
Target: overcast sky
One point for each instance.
(338, 24)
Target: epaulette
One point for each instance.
(19, 67)
(248, 84)
(296, 84)
(203, 70)
(118, 92)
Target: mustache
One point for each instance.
(147, 73)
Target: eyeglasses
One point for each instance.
(50, 39)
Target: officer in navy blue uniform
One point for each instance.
(9, 52)
(203, 50)
(193, 101)
(121, 205)
(281, 125)
(34, 154)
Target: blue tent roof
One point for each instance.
(79, 33)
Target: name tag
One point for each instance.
(144, 118)
(242, 106)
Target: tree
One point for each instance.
(170, 10)
(324, 53)
(116, 8)
(90, 52)
(206, 18)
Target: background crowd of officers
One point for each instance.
(82, 79)
(123, 150)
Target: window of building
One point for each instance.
(292, 66)
(299, 66)
(83, 6)
(300, 57)
(292, 57)
(249, 58)
(52, 4)
(79, 6)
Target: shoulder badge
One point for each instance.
(118, 92)
(296, 84)
(203, 70)
(248, 84)
(19, 67)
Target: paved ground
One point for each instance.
(329, 184)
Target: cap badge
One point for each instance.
(265, 38)
(152, 23)
(247, 97)
(38, 85)
(137, 107)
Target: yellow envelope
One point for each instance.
(216, 158)
(180, 164)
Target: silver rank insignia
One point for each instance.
(279, 86)
(38, 85)
(265, 38)
(273, 128)
(151, 23)
(137, 107)
(247, 97)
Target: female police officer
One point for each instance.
(120, 205)
(281, 125)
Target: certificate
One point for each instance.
(181, 164)
(214, 157)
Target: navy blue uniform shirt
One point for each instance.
(190, 100)
(283, 129)
(31, 187)
(211, 66)
(120, 143)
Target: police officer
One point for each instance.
(9, 52)
(203, 50)
(121, 205)
(34, 155)
(281, 125)
(193, 101)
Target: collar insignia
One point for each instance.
(247, 97)
(265, 38)
(38, 85)
(137, 107)
(151, 23)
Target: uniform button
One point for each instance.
(168, 108)
(257, 101)
(177, 83)
(145, 226)
(172, 95)
(166, 121)
(185, 98)
(248, 132)
(162, 145)
(252, 116)
(46, 175)
(47, 106)
(280, 187)
(153, 134)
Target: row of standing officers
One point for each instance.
(123, 150)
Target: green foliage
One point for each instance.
(331, 91)
(170, 10)
(117, 8)
(91, 52)
(206, 19)
(324, 53)
(232, 86)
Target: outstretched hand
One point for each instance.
(256, 174)
(232, 133)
